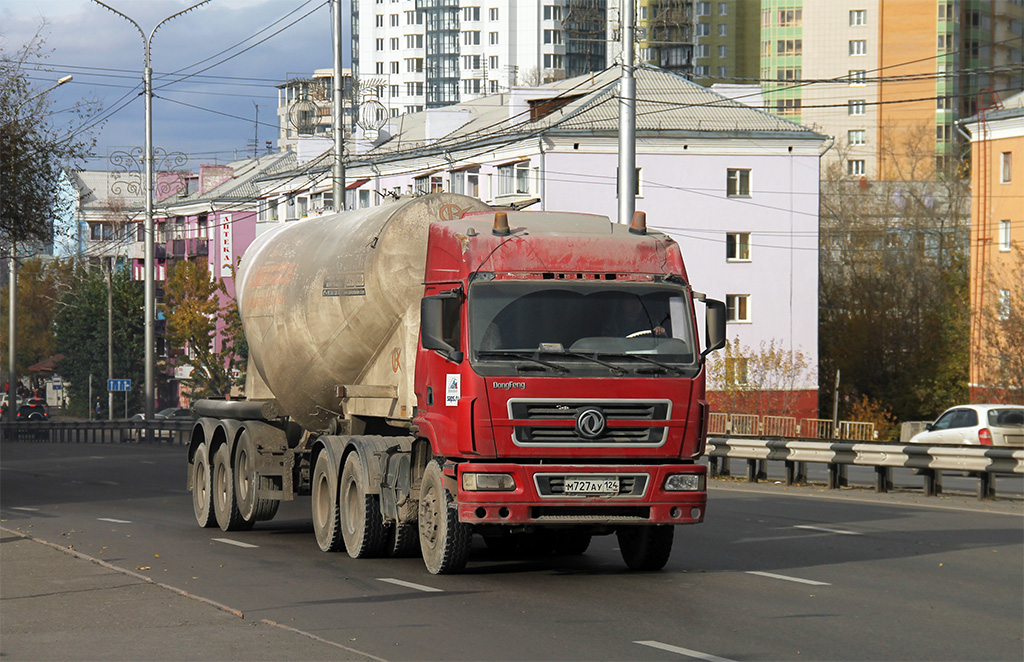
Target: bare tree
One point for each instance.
(765, 381)
(1001, 322)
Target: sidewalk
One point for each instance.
(55, 606)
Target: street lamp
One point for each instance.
(147, 77)
(12, 284)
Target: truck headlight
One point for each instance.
(476, 482)
(685, 483)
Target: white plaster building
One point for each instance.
(736, 187)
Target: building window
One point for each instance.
(471, 38)
(494, 38)
(723, 8)
(737, 307)
(380, 20)
(203, 227)
(514, 179)
(380, 44)
(703, 29)
(858, 47)
(394, 20)
(736, 370)
(1006, 167)
(553, 37)
(738, 183)
(471, 13)
(789, 47)
(492, 13)
(551, 13)
(943, 133)
(394, 67)
(856, 107)
(723, 30)
(789, 74)
(1004, 235)
(944, 103)
(703, 9)
(737, 247)
(787, 106)
(857, 137)
(723, 72)
(945, 12)
(492, 62)
(791, 18)
(858, 77)
(701, 50)
(855, 167)
(700, 70)
(394, 44)
(944, 43)
(723, 51)
(858, 17)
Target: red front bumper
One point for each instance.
(536, 500)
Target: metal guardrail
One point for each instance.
(98, 432)
(930, 461)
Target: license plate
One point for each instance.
(591, 485)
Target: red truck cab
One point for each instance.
(560, 375)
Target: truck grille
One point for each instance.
(543, 433)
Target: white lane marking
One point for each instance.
(31, 510)
(108, 482)
(115, 521)
(772, 575)
(418, 587)
(683, 651)
(235, 543)
(146, 462)
(824, 529)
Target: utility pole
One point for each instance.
(148, 270)
(338, 184)
(627, 117)
(110, 337)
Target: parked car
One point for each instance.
(173, 413)
(974, 425)
(33, 411)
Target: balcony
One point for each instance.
(181, 248)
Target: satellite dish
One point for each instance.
(303, 116)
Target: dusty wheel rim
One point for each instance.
(353, 505)
(200, 489)
(323, 501)
(221, 485)
(429, 516)
(244, 470)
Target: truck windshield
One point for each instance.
(573, 323)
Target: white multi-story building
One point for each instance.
(433, 53)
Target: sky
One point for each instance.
(239, 51)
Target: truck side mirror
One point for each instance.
(432, 326)
(714, 326)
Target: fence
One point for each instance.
(929, 461)
(786, 427)
(98, 432)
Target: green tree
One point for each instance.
(192, 298)
(34, 150)
(81, 330)
(39, 283)
(894, 296)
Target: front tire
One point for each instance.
(202, 487)
(444, 540)
(646, 547)
(362, 525)
(326, 517)
(225, 504)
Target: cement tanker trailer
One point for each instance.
(433, 369)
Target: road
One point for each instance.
(774, 573)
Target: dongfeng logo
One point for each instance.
(590, 423)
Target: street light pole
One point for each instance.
(147, 158)
(627, 117)
(12, 294)
(338, 179)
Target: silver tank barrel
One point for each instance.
(317, 296)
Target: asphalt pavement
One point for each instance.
(58, 604)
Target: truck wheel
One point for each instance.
(247, 479)
(326, 520)
(444, 540)
(362, 525)
(645, 547)
(202, 490)
(405, 540)
(225, 505)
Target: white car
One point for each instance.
(974, 425)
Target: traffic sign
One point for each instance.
(119, 384)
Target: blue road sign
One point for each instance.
(119, 384)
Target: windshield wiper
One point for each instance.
(589, 357)
(642, 357)
(527, 356)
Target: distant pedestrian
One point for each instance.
(99, 408)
